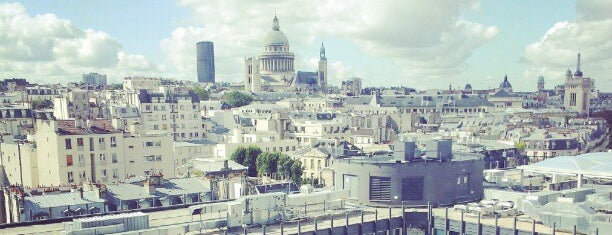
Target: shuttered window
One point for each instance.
(412, 188)
(380, 188)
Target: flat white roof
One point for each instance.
(590, 164)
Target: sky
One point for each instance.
(415, 43)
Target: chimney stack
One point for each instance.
(404, 150)
(149, 186)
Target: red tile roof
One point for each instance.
(98, 126)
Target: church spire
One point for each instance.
(275, 25)
(322, 52)
(578, 62)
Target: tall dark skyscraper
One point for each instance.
(206, 62)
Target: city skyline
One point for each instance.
(463, 42)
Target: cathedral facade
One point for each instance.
(274, 68)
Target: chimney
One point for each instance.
(404, 150)
(149, 186)
(81, 192)
(225, 164)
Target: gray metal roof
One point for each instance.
(183, 186)
(215, 166)
(172, 187)
(419, 101)
(63, 199)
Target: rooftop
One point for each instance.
(590, 164)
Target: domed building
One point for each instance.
(468, 87)
(505, 85)
(273, 69)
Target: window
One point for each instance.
(149, 144)
(412, 188)
(158, 158)
(68, 160)
(82, 175)
(68, 143)
(70, 177)
(380, 188)
(102, 157)
(147, 107)
(113, 141)
(114, 157)
(311, 163)
(80, 142)
(81, 157)
(150, 158)
(158, 143)
(115, 173)
(104, 174)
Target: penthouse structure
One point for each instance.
(412, 176)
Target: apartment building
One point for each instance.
(77, 104)
(175, 114)
(19, 160)
(77, 151)
(148, 153)
(317, 127)
(16, 120)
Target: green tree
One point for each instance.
(252, 152)
(247, 156)
(202, 93)
(267, 163)
(520, 146)
(116, 86)
(238, 99)
(41, 104)
(284, 165)
(239, 155)
(296, 172)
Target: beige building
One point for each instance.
(145, 154)
(175, 114)
(273, 69)
(324, 127)
(577, 91)
(77, 104)
(315, 162)
(20, 163)
(69, 152)
(72, 152)
(503, 100)
(137, 83)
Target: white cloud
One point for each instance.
(427, 39)
(46, 48)
(556, 50)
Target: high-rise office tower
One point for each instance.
(206, 62)
(94, 79)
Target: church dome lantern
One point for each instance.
(276, 37)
